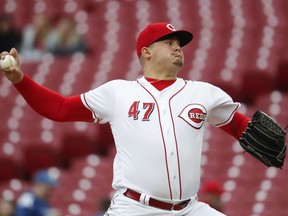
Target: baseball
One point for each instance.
(7, 62)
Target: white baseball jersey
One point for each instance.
(159, 134)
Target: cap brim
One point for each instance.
(184, 37)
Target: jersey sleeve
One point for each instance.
(101, 101)
(223, 107)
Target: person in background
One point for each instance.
(104, 205)
(212, 195)
(34, 38)
(36, 201)
(6, 208)
(65, 40)
(10, 36)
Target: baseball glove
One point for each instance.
(265, 140)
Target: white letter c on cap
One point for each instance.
(170, 26)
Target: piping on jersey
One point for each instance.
(164, 145)
(224, 123)
(175, 137)
(87, 105)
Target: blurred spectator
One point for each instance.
(211, 194)
(65, 39)
(36, 201)
(34, 38)
(103, 206)
(9, 35)
(6, 208)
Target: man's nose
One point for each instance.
(177, 48)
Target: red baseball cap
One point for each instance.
(156, 31)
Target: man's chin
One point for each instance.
(178, 63)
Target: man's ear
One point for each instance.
(145, 52)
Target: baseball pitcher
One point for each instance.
(158, 122)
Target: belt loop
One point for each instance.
(144, 199)
(173, 205)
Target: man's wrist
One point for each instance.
(18, 79)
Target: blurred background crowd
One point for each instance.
(72, 46)
(41, 35)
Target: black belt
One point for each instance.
(156, 203)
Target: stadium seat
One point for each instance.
(75, 146)
(282, 76)
(9, 169)
(38, 156)
(250, 79)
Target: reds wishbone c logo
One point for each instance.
(194, 115)
(170, 27)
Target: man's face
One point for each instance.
(43, 190)
(167, 51)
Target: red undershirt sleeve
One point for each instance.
(237, 125)
(51, 104)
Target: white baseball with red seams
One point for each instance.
(159, 134)
(7, 62)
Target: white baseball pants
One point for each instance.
(124, 206)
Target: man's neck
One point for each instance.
(159, 76)
(161, 73)
(160, 84)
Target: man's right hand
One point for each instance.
(15, 74)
